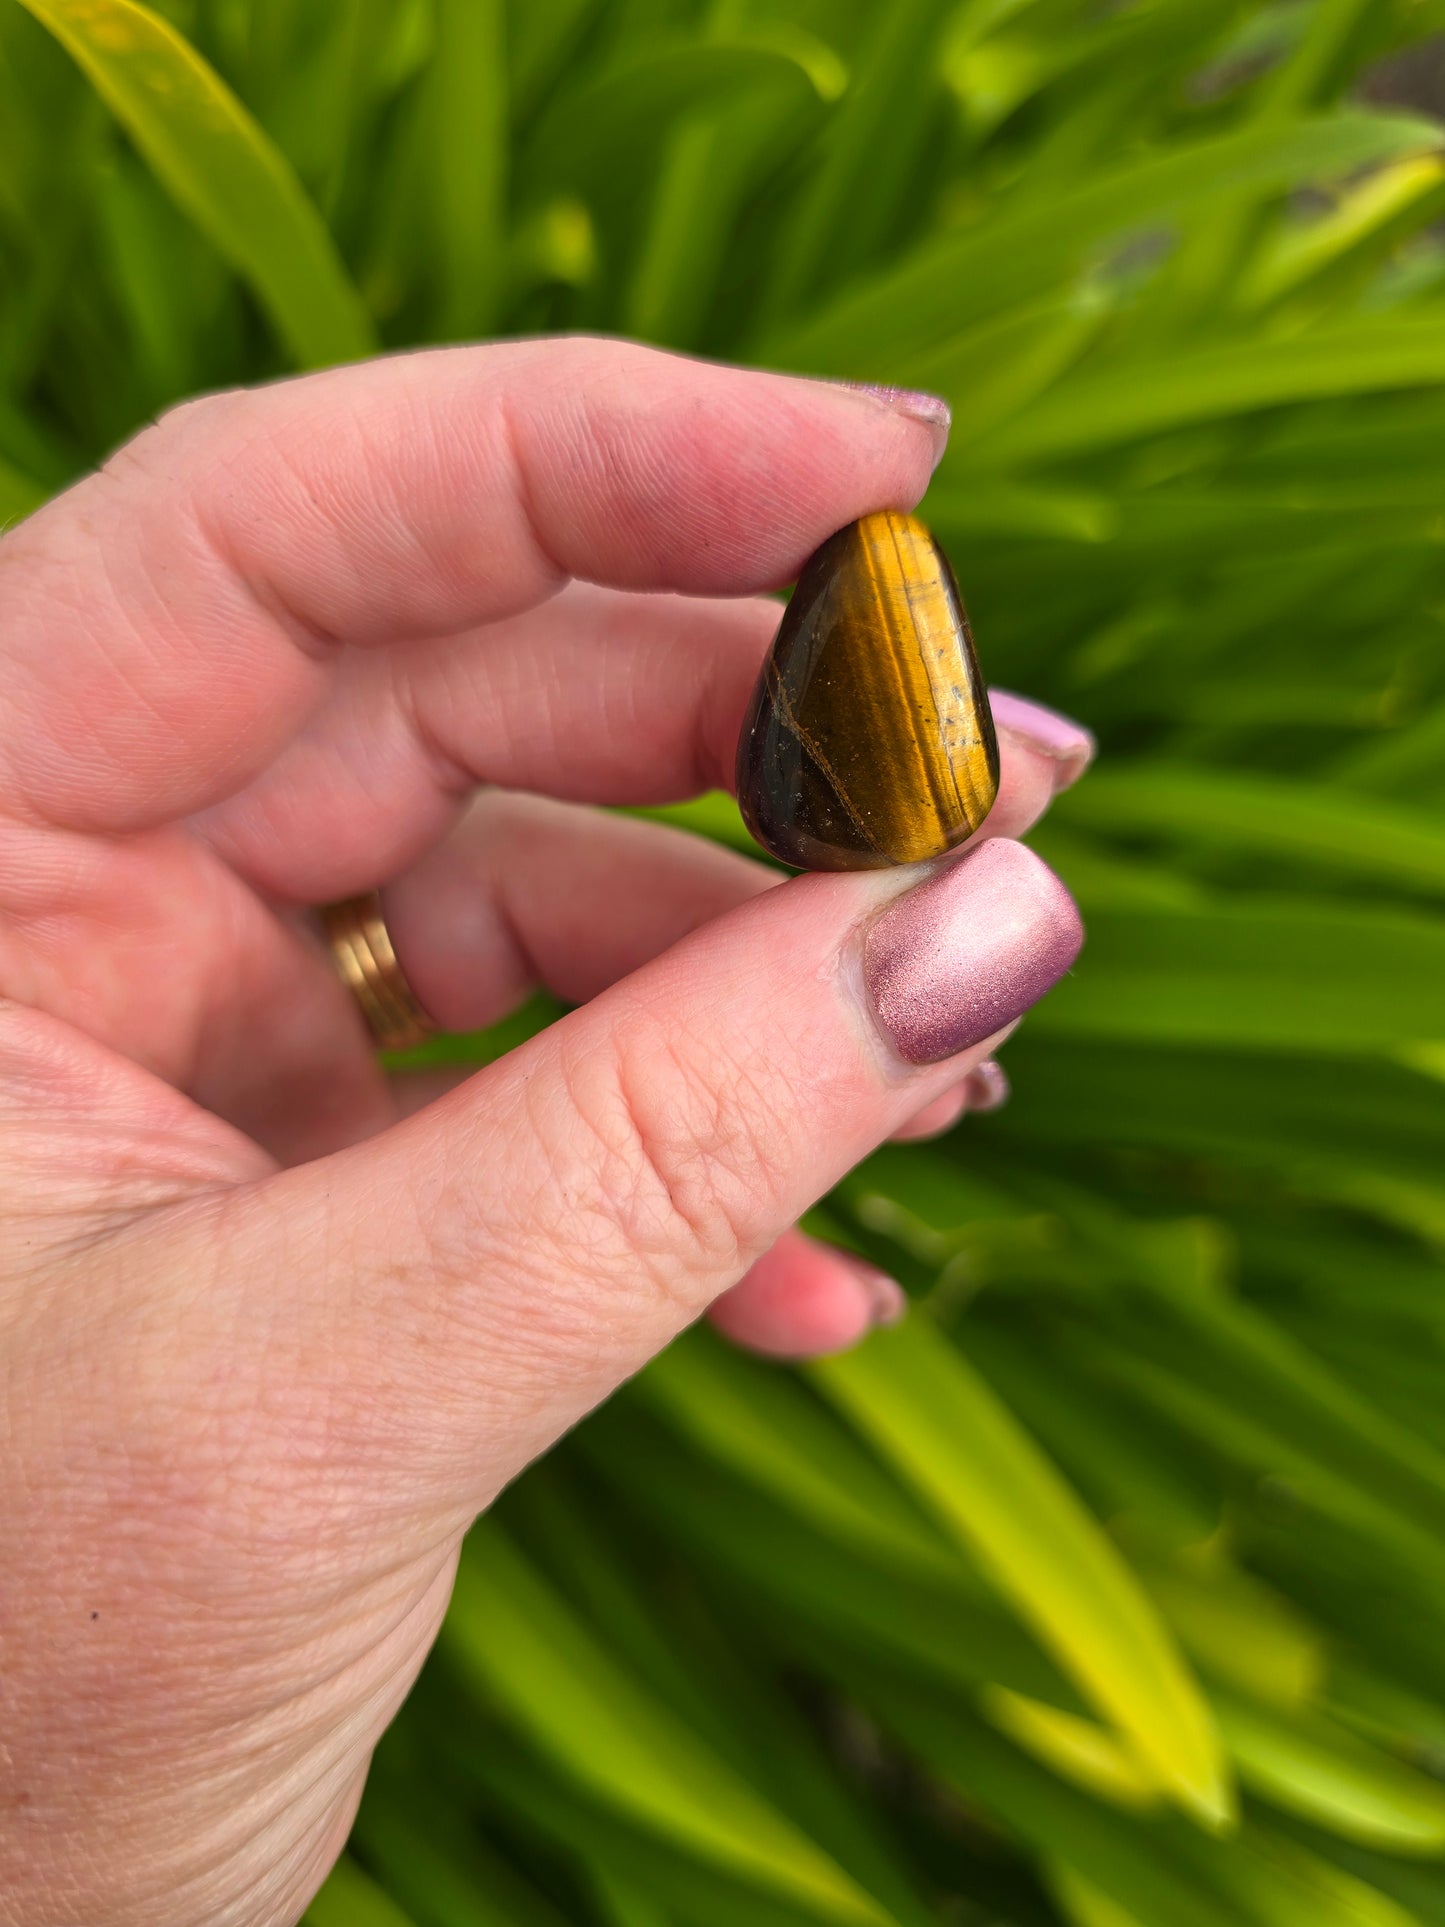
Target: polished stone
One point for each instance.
(869, 740)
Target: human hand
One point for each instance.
(268, 1343)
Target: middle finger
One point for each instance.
(598, 697)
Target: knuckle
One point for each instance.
(152, 451)
(680, 1156)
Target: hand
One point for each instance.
(265, 1350)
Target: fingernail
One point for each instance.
(1067, 744)
(887, 1300)
(964, 953)
(986, 1087)
(932, 410)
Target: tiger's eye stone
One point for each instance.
(869, 740)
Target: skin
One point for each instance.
(272, 1330)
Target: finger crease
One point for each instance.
(451, 774)
(513, 443)
(313, 639)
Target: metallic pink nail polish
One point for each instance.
(964, 953)
(1068, 745)
(986, 1087)
(932, 410)
(923, 407)
(887, 1300)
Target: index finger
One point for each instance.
(171, 620)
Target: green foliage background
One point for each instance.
(1107, 1590)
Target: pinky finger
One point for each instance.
(804, 1299)
(984, 1089)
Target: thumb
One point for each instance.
(481, 1275)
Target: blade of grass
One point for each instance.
(1141, 397)
(865, 155)
(951, 1635)
(758, 1421)
(219, 166)
(632, 104)
(466, 87)
(1137, 1863)
(1280, 976)
(351, 1898)
(428, 1852)
(1010, 257)
(526, 1654)
(626, 1906)
(1313, 1768)
(1078, 1750)
(1328, 829)
(18, 494)
(699, 1891)
(1302, 252)
(938, 1423)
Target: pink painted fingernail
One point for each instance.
(986, 1087)
(932, 410)
(1067, 744)
(961, 955)
(887, 1300)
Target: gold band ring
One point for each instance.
(361, 945)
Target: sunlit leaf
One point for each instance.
(1144, 397)
(927, 1411)
(528, 1656)
(213, 158)
(954, 279)
(1323, 1774)
(1080, 1750)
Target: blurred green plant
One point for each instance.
(1107, 1590)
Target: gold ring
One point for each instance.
(362, 948)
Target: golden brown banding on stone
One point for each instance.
(869, 740)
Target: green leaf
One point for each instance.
(18, 494)
(1235, 1350)
(1316, 1769)
(715, 163)
(699, 1892)
(630, 106)
(427, 1851)
(1138, 1863)
(927, 1411)
(947, 1629)
(1377, 1125)
(466, 121)
(1077, 1749)
(1238, 1629)
(1084, 1904)
(351, 1899)
(1019, 253)
(1331, 830)
(525, 1653)
(1272, 1880)
(1278, 976)
(1139, 396)
(1305, 250)
(219, 166)
(1013, 508)
(626, 1906)
(865, 156)
(757, 1420)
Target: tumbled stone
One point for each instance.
(869, 740)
